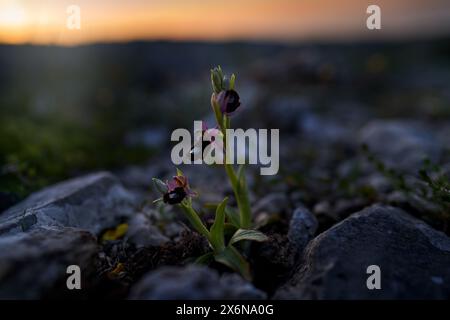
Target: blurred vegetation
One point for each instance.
(42, 147)
(431, 187)
(66, 111)
(37, 152)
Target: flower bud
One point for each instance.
(217, 79)
(228, 101)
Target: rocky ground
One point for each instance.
(128, 247)
(364, 180)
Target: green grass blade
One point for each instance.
(234, 260)
(216, 231)
(244, 234)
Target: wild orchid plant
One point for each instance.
(228, 223)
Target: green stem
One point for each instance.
(195, 220)
(244, 206)
(241, 198)
(218, 114)
(240, 192)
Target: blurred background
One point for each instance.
(108, 95)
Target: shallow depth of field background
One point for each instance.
(107, 96)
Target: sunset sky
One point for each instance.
(44, 21)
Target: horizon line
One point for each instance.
(258, 41)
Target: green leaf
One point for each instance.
(220, 72)
(234, 260)
(205, 259)
(245, 234)
(217, 79)
(233, 216)
(194, 219)
(232, 81)
(160, 186)
(179, 173)
(216, 231)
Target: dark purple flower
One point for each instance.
(177, 190)
(228, 101)
(174, 196)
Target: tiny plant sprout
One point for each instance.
(176, 191)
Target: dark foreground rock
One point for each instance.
(93, 202)
(142, 233)
(33, 265)
(302, 228)
(193, 283)
(414, 260)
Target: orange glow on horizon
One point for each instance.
(44, 22)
